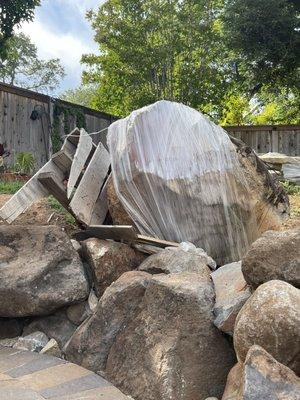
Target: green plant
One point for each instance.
(25, 163)
(291, 188)
(10, 187)
(67, 112)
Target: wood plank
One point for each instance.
(88, 190)
(84, 148)
(55, 187)
(31, 192)
(115, 232)
(63, 160)
(156, 242)
(101, 207)
(124, 233)
(34, 190)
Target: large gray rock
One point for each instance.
(275, 255)
(171, 349)
(39, 271)
(92, 341)
(232, 292)
(56, 326)
(262, 378)
(109, 260)
(271, 319)
(185, 258)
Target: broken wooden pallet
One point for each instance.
(124, 233)
(83, 167)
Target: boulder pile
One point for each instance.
(161, 327)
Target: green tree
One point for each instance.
(263, 37)
(82, 95)
(12, 13)
(154, 49)
(23, 67)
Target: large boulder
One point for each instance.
(271, 319)
(261, 378)
(109, 260)
(39, 271)
(275, 255)
(92, 341)
(172, 350)
(232, 292)
(185, 258)
(180, 177)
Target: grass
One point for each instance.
(291, 188)
(10, 187)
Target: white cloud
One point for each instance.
(69, 46)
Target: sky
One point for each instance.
(60, 30)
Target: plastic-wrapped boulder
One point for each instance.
(180, 177)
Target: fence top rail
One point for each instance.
(47, 99)
(239, 128)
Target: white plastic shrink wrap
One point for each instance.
(178, 176)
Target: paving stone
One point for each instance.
(91, 381)
(107, 393)
(53, 376)
(32, 376)
(39, 364)
(14, 390)
(17, 359)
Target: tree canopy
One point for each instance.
(12, 13)
(232, 59)
(23, 67)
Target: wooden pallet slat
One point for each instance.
(124, 233)
(84, 148)
(55, 187)
(88, 190)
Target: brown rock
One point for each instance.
(275, 255)
(233, 383)
(232, 292)
(271, 319)
(91, 343)
(174, 260)
(171, 349)
(109, 260)
(261, 378)
(115, 207)
(44, 274)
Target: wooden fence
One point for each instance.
(267, 138)
(36, 123)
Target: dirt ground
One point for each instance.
(294, 220)
(41, 213)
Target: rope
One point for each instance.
(86, 133)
